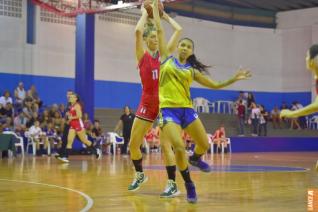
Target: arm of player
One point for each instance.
(139, 30)
(204, 80)
(174, 39)
(309, 109)
(161, 33)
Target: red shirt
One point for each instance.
(241, 111)
(149, 73)
(218, 134)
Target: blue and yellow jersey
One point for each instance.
(174, 84)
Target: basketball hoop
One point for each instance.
(71, 8)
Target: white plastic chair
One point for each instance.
(115, 139)
(19, 138)
(225, 105)
(313, 122)
(203, 105)
(32, 143)
(146, 145)
(210, 139)
(229, 146)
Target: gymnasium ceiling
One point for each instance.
(272, 5)
(258, 13)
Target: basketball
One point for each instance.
(147, 6)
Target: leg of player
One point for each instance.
(198, 134)
(83, 138)
(172, 131)
(139, 130)
(171, 189)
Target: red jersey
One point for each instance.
(72, 110)
(149, 73)
(76, 124)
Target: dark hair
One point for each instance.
(79, 101)
(193, 61)
(313, 51)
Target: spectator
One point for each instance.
(242, 96)
(87, 123)
(45, 119)
(255, 115)
(302, 119)
(6, 111)
(125, 123)
(52, 110)
(19, 123)
(275, 113)
(241, 117)
(219, 138)
(152, 139)
(3, 116)
(250, 100)
(97, 130)
(6, 99)
(52, 137)
(188, 142)
(294, 121)
(38, 136)
(263, 121)
(29, 112)
(19, 94)
(284, 106)
(62, 110)
(33, 94)
(58, 122)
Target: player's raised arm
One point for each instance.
(206, 81)
(139, 31)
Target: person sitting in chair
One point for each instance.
(219, 138)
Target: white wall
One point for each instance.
(275, 57)
(297, 18)
(12, 43)
(300, 31)
(227, 48)
(54, 52)
(220, 45)
(114, 52)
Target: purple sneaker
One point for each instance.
(191, 194)
(203, 166)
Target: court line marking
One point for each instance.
(237, 169)
(89, 200)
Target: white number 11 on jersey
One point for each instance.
(155, 74)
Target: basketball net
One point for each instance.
(72, 8)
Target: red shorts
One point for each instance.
(147, 112)
(77, 125)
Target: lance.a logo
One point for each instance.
(312, 199)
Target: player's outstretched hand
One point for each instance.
(242, 74)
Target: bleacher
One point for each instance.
(211, 121)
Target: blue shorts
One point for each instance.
(180, 116)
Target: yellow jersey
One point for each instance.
(174, 84)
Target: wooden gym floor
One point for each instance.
(239, 182)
